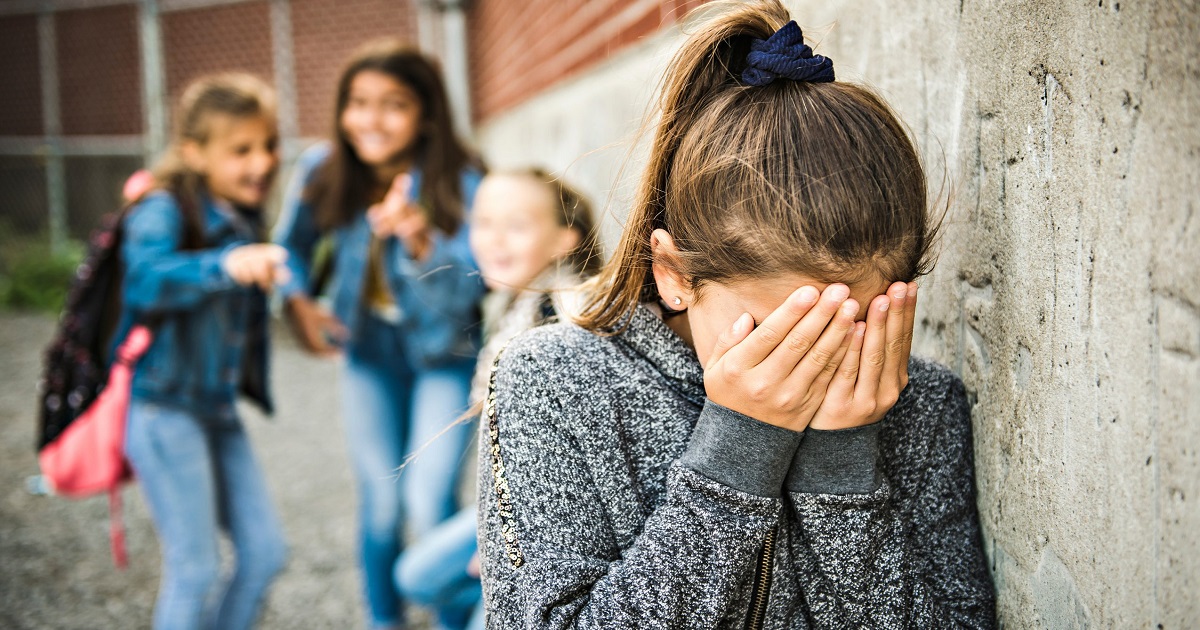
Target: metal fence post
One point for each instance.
(153, 82)
(284, 62)
(56, 177)
(454, 59)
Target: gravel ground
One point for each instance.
(55, 566)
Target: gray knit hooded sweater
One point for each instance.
(613, 494)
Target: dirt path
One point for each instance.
(55, 568)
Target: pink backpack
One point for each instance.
(88, 456)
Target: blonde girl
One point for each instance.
(534, 238)
(197, 273)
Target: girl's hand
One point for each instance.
(397, 216)
(259, 264)
(315, 327)
(778, 372)
(875, 369)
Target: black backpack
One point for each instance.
(77, 359)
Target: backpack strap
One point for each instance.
(116, 528)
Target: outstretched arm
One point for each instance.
(159, 277)
(296, 229)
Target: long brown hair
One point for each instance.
(232, 94)
(817, 179)
(344, 184)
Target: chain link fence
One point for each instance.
(90, 85)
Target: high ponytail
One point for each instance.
(708, 63)
(751, 180)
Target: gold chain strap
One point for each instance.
(508, 529)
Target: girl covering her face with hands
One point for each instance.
(196, 274)
(392, 194)
(733, 434)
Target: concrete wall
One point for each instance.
(1067, 294)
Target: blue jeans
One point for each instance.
(392, 412)
(200, 477)
(433, 573)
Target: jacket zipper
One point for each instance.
(762, 586)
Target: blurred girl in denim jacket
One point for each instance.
(196, 273)
(392, 190)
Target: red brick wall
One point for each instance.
(99, 71)
(99, 58)
(21, 96)
(520, 48)
(324, 34)
(234, 37)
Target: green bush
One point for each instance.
(32, 276)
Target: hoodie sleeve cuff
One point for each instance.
(837, 462)
(739, 451)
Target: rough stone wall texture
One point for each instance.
(1067, 295)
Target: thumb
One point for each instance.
(276, 254)
(282, 275)
(731, 337)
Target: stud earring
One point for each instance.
(669, 311)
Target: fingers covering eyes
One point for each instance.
(778, 325)
(826, 354)
(898, 338)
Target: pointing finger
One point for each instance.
(397, 196)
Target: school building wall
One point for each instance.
(518, 48)
(90, 86)
(1067, 295)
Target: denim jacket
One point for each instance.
(437, 298)
(210, 334)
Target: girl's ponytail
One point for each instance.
(709, 63)
(762, 164)
(186, 186)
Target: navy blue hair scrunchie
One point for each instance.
(785, 55)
